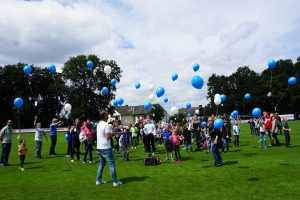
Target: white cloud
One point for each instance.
(150, 40)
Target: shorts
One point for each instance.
(169, 147)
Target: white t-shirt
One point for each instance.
(102, 129)
(150, 128)
(39, 134)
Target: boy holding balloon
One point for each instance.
(39, 133)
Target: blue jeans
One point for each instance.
(106, 155)
(262, 140)
(6, 147)
(236, 140)
(225, 142)
(215, 152)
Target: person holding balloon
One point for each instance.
(216, 140)
(75, 142)
(6, 140)
(236, 133)
(53, 135)
(38, 139)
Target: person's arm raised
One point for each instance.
(34, 122)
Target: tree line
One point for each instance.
(269, 90)
(45, 93)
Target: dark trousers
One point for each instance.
(236, 140)
(117, 148)
(38, 149)
(6, 147)
(287, 138)
(75, 149)
(215, 152)
(225, 143)
(22, 160)
(150, 142)
(177, 152)
(276, 139)
(53, 144)
(69, 149)
(88, 149)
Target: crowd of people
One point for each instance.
(110, 137)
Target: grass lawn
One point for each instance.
(248, 173)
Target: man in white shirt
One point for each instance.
(150, 132)
(105, 152)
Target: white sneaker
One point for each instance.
(115, 184)
(22, 169)
(72, 160)
(83, 162)
(68, 156)
(100, 182)
(92, 162)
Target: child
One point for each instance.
(168, 143)
(22, 151)
(134, 133)
(236, 133)
(175, 138)
(226, 134)
(187, 138)
(88, 143)
(262, 137)
(125, 142)
(39, 133)
(287, 131)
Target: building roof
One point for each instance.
(185, 111)
(132, 110)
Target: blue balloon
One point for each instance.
(113, 82)
(52, 68)
(189, 115)
(174, 77)
(223, 98)
(115, 103)
(234, 114)
(27, 70)
(160, 91)
(67, 137)
(292, 81)
(272, 64)
(120, 101)
(247, 96)
(256, 112)
(105, 90)
(199, 118)
(197, 82)
(137, 85)
(18, 102)
(196, 67)
(188, 105)
(203, 124)
(166, 99)
(147, 105)
(90, 64)
(218, 123)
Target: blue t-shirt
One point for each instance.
(167, 134)
(53, 130)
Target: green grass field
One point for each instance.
(248, 173)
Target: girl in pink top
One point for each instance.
(176, 142)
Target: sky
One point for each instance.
(151, 40)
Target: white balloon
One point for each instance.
(151, 97)
(173, 110)
(217, 96)
(107, 70)
(197, 112)
(68, 107)
(151, 88)
(217, 101)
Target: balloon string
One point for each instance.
(281, 97)
(271, 82)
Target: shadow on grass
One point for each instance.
(206, 166)
(204, 160)
(28, 163)
(253, 179)
(29, 168)
(284, 164)
(187, 158)
(230, 162)
(134, 179)
(237, 150)
(67, 170)
(249, 154)
(243, 167)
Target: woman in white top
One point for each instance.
(39, 132)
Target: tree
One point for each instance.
(157, 112)
(85, 85)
